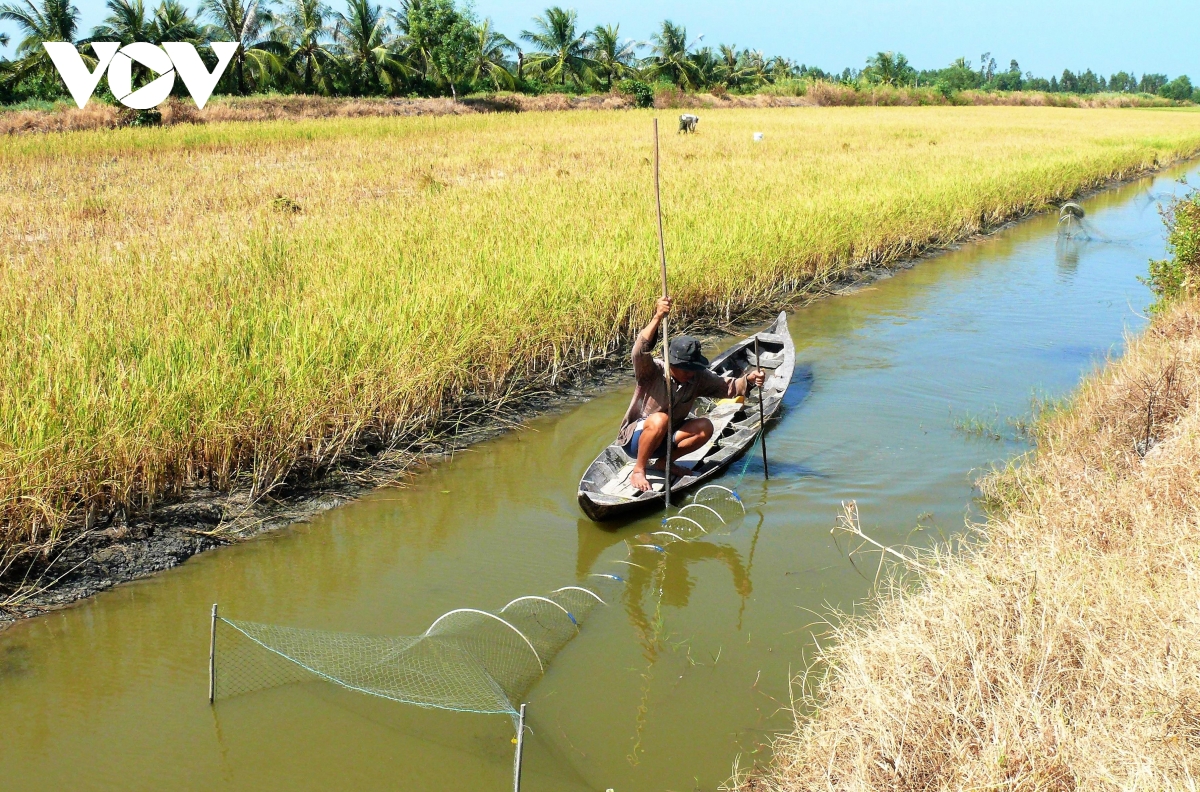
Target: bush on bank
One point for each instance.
(1178, 275)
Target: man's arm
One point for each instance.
(643, 361)
(714, 386)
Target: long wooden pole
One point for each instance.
(762, 422)
(662, 261)
(212, 656)
(520, 746)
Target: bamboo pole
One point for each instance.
(662, 260)
(762, 422)
(520, 747)
(212, 656)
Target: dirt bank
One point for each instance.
(1060, 653)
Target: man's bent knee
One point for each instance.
(655, 421)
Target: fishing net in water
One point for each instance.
(468, 660)
(714, 510)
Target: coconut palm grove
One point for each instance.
(440, 48)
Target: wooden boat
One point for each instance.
(605, 492)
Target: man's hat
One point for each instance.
(684, 353)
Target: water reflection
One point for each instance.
(1066, 255)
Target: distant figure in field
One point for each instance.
(643, 432)
(687, 122)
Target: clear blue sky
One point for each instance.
(1044, 36)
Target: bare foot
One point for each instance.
(637, 479)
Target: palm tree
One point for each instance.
(3, 39)
(303, 26)
(488, 49)
(613, 56)
(728, 69)
(173, 22)
(55, 20)
(669, 55)
(246, 22)
(707, 65)
(415, 48)
(780, 68)
(563, 53)
(365, 37)
(887, 68)
(126, 22)
(753, 68)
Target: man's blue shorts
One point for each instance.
(631, 447)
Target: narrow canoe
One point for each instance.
(605, 492)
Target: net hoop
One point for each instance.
(716, 513)
(688, 519)
(724, 489)
(543, 599)
(490, 616)
(580, 588)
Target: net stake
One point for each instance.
(762, 422)
(212, 656)
(520, 746)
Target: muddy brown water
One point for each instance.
(687, 670)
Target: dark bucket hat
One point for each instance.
(685, 353)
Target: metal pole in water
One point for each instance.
(762, 422)
(520, 746)
(212, 656)
(662, 260)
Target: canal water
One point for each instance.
(902, 396)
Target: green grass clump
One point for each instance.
(246, 302)
(1179, 275)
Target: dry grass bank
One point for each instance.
(1064, 652)
(66, 117)
(237, 304)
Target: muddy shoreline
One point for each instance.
(127, 547)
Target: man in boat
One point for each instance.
(644, 428)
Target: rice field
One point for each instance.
(236, 304)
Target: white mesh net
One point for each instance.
(468, 660)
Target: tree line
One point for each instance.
(894, 69)
(440, 48)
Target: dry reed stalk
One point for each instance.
(1061, 652)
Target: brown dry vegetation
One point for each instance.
(66, 117)
(1062, 652)
(96, 115)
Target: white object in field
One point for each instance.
(688, 122)
(758, 136)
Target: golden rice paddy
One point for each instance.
(233, 304)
